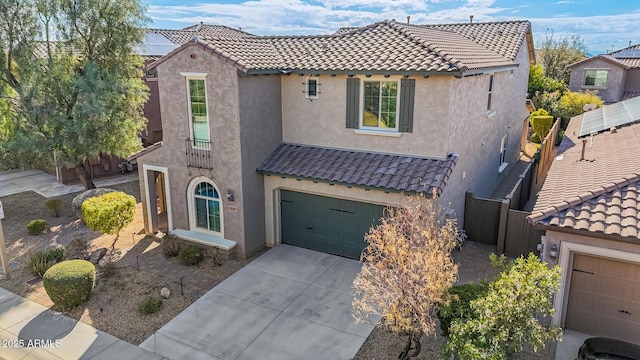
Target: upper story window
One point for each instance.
(380, 104)
(503, 154)
(311, 90)
(197, 108)
(596, 78)
(490, 93)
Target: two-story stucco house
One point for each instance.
(305, 139)
(615, 76)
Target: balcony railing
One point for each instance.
(198, 153)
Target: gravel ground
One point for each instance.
(113, 304)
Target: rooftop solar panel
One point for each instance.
(614, 115)
(154, 44)
(628, 54)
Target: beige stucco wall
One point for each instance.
(633, 80)
(569, 244)
(223, 113)
(616, 79)
(475, 135)
(322, 121)
(261, 133)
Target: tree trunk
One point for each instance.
(85, 178)
(413, 339)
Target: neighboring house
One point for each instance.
(589, 206)
(305, 139)
(616, 76)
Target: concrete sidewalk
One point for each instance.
(16, 181)
(31, 331)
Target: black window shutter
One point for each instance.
(407, 96)
(353, 103)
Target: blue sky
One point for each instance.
(603, 25)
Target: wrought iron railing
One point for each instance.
(198, 153)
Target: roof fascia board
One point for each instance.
(275, 174)
(489, 71)
(592, 234)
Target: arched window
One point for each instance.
(206, 206)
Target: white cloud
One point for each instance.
(325, 16)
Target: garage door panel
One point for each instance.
(604, 298)
(326, 224)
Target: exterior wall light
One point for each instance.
(229, 195)
(553, 252)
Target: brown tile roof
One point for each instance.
(359, 168)
(598, 194)
(504, 38)
(618, 57)
(386, 47)
(144, 151)
(181, 36)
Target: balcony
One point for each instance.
(198, 153)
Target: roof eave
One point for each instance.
(456, 73)
(347, 184)
(600, 235)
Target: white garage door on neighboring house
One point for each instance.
(604, 298)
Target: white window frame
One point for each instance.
(395, 79)
(490, 94)
(196, 76)
(594, 86)
(307, 95)
(503, 154)
(192, 206)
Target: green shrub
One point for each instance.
(76, 203)
(539, 112)
(69, 283)
(41, 261)
(170, 245)
(571, 104)
(109, 213)
(54, 205)
(191, 255)
(149, 306)
(460, 305)
(559, 137)
(541, 124)
(36, 227)
(535, 138)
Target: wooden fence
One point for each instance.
(546, 152)
(502, 222)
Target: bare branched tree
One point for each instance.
(407, 269)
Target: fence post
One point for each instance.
(502, 225)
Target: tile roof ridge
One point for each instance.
(402, 29)
(476, 23)
(222, 54)
(609, 187)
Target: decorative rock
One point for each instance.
(164, 292)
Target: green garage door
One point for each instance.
(327, 224)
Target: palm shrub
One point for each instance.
(41, 261)
(69, 283)
(149, 306)
(54, 205)
(109, 213)
(191, 255)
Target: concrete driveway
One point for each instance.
(290, 303)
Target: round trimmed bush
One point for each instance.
(69, 283)
(76, 204)
(190, 255)
(36, 227)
